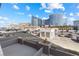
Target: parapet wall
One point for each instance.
(56, 51)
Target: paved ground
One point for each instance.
(19, 50)
(66, 43)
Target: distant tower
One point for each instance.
(56, 19)
(76, 24)
(36, 21)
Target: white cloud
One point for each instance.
(56, 6)
(16, 7)
(78, 6)
(71, 14)
(64, 17)
(27, 8)
(47, 11)
(20, 13)
(36, 15)
(51, 6)
(43, 5)
(77, 14)
(2, 22)
(29, 15)
(70, 20)
(11, 22)
(44, 18)
(3, 18)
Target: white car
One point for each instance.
(75, 37)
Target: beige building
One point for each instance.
(23, 25)
(18, 26)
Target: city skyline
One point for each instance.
(22, 12)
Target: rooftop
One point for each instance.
(19, 50)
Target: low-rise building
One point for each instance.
(23, 26)
(48, 33)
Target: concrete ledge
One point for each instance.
(8, 42)
(39, 52)
(32, 44)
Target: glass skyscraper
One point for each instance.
(76, 24)
(36, 21)
(56, 20)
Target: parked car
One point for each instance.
(75, 37)
(68, 35)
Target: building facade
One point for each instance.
(47, 22)
(24, 25)
(48, 33)
(56, 19)
(36, 21)
(53, 20)
(76, 24)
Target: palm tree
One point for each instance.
(76, 28)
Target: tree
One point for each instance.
(76, 28)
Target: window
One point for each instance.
(43, 34)
(47, 34)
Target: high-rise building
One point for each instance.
(76, 24)
(47, 22)
(53, 20)
(56, 19)
(36, 21)
(43, 22)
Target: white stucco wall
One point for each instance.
(51, 31)
(1, 52)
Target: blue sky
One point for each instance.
(22, 12)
